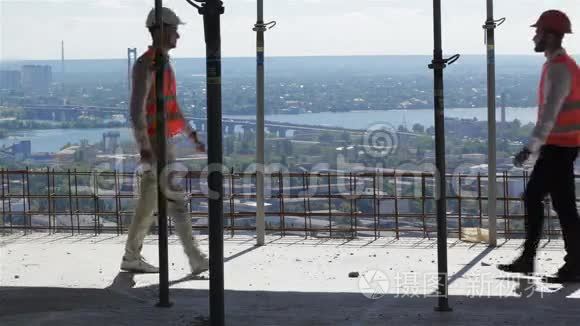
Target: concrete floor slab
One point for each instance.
(75, 280)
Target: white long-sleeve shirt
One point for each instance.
(557, 87)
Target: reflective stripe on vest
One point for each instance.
(168, 116)
(570, 106)
(173, 119)
(566, 130)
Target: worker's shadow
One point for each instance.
(123, 284)
(123, 281)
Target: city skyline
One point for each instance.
(305, 28)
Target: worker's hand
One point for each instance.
(200, 147)
(146, 156)
(522, 157)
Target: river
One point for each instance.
(50, 140)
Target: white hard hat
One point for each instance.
(167, 16)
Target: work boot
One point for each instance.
(138, 265)
(567, 273)
(523, 264)
(199, 265)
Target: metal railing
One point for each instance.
(321, 204)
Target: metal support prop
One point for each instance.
(211, 11)
(260, 28)
(489, 27)
(438, 65)
(160, 62)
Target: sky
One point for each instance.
(99, 29)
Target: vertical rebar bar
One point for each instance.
(375, 206)
(423, 194)
(55, 200)
(396, 206)
(282, 215)
(507, 225)
(2, 173)
(232, 204)
(117, 217)
(305, 194)
(329, 208)
(48, 200)
(29, 200)
(70, 207)
(77, 210)
(479, 200)
(120, 202)
(459, 221)
(23, 198)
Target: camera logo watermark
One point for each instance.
(380, 140)
(373, 284)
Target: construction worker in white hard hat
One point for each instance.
(556, 139)
(143, 106)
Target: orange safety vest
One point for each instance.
(566, 131)
(174, 121)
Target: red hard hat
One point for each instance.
(555, 21)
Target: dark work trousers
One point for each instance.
(553, 174)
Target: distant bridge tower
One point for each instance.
(131, 58)
(110, 141)
(63, 78)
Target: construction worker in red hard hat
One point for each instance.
(143, 109)
(555, 139)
